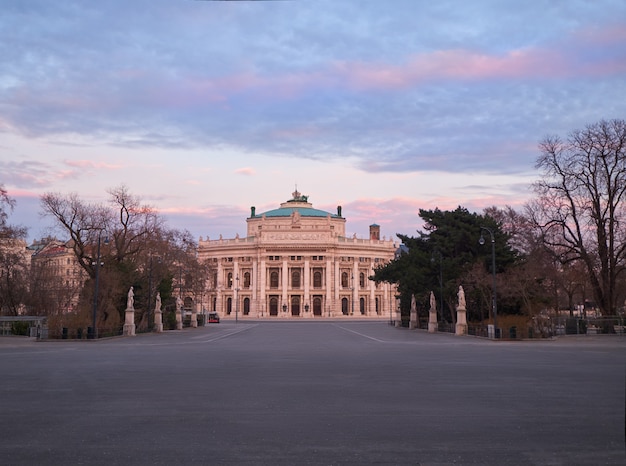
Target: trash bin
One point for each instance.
(64, 333)
(513, 333)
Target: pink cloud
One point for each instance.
(553, 62)
(85, 164)
(248, 171)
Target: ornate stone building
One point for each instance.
(56, 274)
(296, 262)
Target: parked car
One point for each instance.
(214, 318)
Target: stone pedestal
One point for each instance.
(413, 321)
(432, 321)
(179, 319)
(129, 323)
(194, 319)
(158, 321)
(461, 322)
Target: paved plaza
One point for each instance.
(327, 393)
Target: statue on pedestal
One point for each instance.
(461, 321)
(432, 314)
(130, 302)
(461, 296)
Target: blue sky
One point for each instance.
(206, 108)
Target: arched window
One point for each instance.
(273, 306)
(317, 279)
(229, 280)
(295, 279)
(274, 279)
(377, 307)
(317, 306)
(246, 306)
(362, 280)
(295, 306)
(188, 304)
(229, 306)
(344, 280)
(344, 306)
(362, 306)
(246, 280)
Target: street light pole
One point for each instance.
(493, 270)
(94, 329)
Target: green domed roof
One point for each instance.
(299, 204)
(303, 211)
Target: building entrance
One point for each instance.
(295, 306)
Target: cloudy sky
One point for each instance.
(205, 108)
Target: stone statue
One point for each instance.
(157, 306)
(179, 303)
(433, 302)
(130, 302)
(461, 298)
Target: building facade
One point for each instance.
(296, 262)
(56, 276)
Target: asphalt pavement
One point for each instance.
(317, 393)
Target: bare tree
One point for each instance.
(580, 206)
(13, 266)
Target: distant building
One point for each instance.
(56, 275)
(296, 262)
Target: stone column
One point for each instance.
(194, 315)
(329, 288)
(432, 314)
(356, 305)
(307, 287)
(254, 301)
(285, 279)
(262, 287)
(371, 309)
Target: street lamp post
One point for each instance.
(493, 270)
(97, 264)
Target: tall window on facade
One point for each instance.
(377, 307)
(229, 306)
(246, 280)
(317, 279)
(344, 280)
(274, 279)
(230, 280)
(295, 306)
(362, 280)
(246, 306)
(317, 306)
(344, 306)
(295, 279)
(273, 306)
(362, 306)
